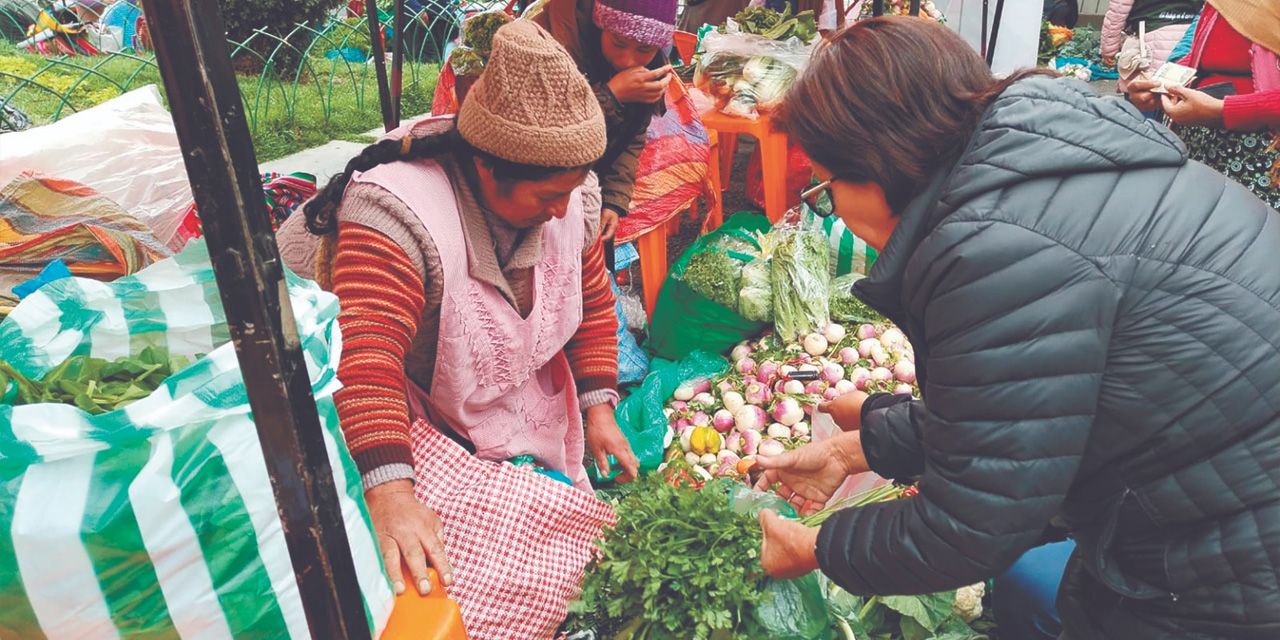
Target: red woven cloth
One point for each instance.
(519, 542)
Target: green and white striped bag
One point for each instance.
(158, 520)
(849, 253)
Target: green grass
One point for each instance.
(326, 100)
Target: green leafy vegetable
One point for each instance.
(846, 307)
(94, 385)
(801, 283)
(478, 31)
(755, 300)
(715, 275)
(771, 24)
(681, 564)
(1086, 43)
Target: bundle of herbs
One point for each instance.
(680, 564)
(846, 307)
(94, 385)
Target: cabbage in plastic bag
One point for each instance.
(755, 301)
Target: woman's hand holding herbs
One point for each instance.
(789, 549)
(410, 532)
(605, 439)
(810, 475)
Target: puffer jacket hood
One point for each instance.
(1096, 324)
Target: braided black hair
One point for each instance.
(321, 211)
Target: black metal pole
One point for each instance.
(379, 63)
(191, 51)
(982, 46)
(397, 63)
(877, 8)
(995, 33)
(915, 9)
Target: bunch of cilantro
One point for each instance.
(680, 564)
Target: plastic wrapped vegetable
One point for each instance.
(469, 59)
(845, 307)
(755, 301)
(801, 276)
(716, 275)
(466, 62)
(744, 73)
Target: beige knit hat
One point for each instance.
(532, 105)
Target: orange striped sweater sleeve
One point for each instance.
(382, 297)
(593, 350)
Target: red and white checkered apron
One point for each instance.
(518, 541)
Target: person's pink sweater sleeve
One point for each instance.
(1249, 112)
(1113, 26)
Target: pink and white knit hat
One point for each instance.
(648, 22)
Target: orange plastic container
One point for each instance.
(433, 617)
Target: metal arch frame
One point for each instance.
(208, 114)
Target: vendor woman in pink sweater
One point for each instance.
(1159, 24)
(1230, 116)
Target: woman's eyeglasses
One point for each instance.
(818, 198)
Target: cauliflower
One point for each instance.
(968, 604)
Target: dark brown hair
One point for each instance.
(890, 100)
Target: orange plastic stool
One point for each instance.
(430, 617)
(652, 247)
(773, 155)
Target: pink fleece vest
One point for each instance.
(500, 380)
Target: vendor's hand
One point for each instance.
(640, 84)
(1192, 108)
(1109, 61)
(608, 224)
(811, 474)
(604, 438)
(788, 549)
(846, 410)
(409, 531)
(1141, 96)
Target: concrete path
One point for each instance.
(324, 161)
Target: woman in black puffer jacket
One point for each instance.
(1096, 323)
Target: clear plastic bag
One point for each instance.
(755, 300)
(746, 73)
(801, 275)
(92, 147)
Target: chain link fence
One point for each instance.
(301, 87)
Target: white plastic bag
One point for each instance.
(125, 148)
(824, 428)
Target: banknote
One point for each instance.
(1172, 74)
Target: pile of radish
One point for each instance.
(762, 404)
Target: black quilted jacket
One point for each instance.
(1096, 323)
